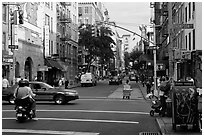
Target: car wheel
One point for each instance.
(11, 100)
(59, 99)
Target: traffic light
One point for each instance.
(20, 12)
(13, 17)
(93, 31)
(98, 32)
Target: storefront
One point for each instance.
(55, 71)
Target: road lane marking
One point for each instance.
(47, 132)
(83, 120)
(88, 111)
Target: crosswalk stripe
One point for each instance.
(84, 120)
(47, 132)
(88, 111)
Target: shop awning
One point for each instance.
(53, 63)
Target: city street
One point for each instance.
(142, 60)
(94, 113)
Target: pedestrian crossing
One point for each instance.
(47, 132)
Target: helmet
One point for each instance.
(23, 83)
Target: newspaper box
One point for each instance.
(127, 93)
(184, 105)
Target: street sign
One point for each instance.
(13, 46)
(183, 26)
(7, 56)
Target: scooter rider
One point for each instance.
(24, 92)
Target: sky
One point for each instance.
(129, 15)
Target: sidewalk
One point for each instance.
(118, 94)
(165, 123)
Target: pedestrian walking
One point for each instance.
(60, 82)
(5, 83)
(136, 78)
(66, 84)
(148, 86)
(164, 88)
(143, 80)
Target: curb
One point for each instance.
(141, 91)
(161, 126)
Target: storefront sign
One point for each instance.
(43, 68)
(46, 39)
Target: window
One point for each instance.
(86, 21)
(4, 13)
(51, 50)
(193, 39)
(49, 47)
(80, 10)
(51, 5)
(189, 10)
(57, 48)
(193, 6)
(86, 10)
(4, 41)
(186, 41)
(51, 25)
(47, 20)
(186, 15)
(189, 41)
(47, 4)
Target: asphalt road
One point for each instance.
(93, 113)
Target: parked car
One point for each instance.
(115, 80)
(44, 92)
(88, 79)
(7, 94)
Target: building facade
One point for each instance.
(47, 41)
(28, 54)
(179, 38)
(89, 13)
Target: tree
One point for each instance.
(96, 46)
(135, 54)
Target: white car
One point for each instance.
(88, 79)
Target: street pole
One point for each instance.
(155, 60)
(13, 50)
(155, 70)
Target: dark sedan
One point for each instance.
(45, 92)
(115, 80)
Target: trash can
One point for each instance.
(184, 105)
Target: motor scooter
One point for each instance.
(23, 111)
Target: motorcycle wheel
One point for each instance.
(21, 119)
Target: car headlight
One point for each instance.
(71, 93)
